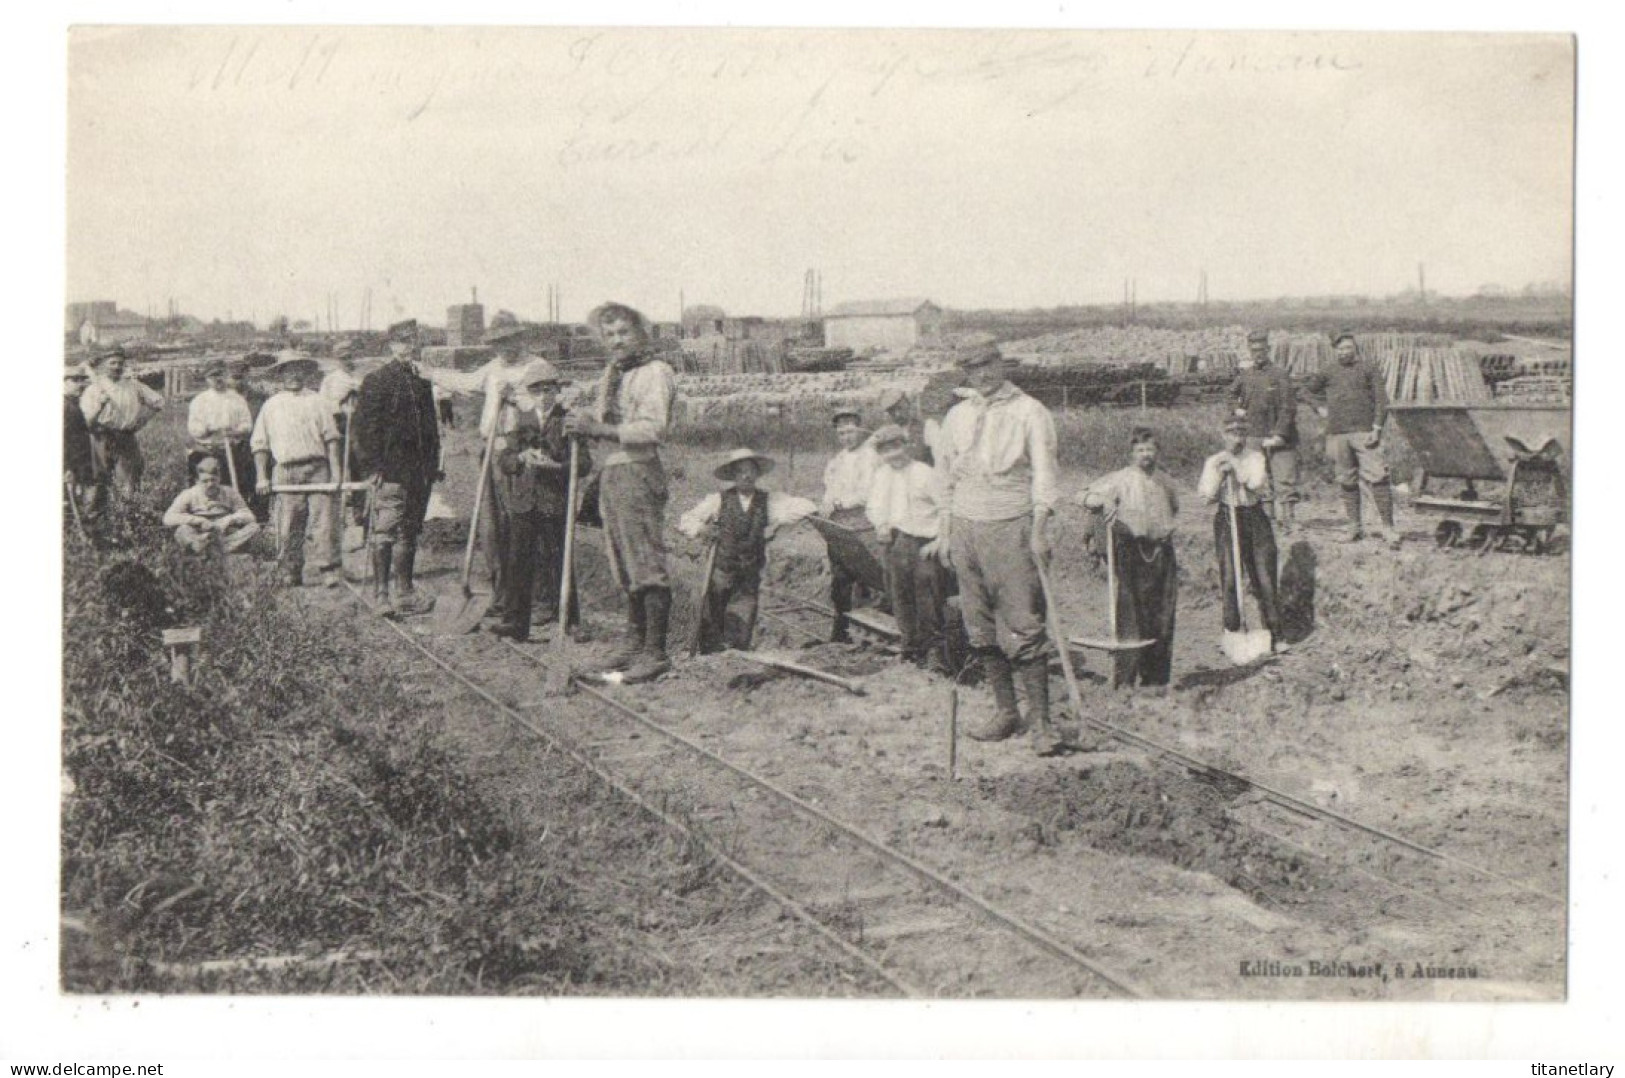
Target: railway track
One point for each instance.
(906, 922)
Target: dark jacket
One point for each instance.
(1356, 398)
(76, 454)
(525, 488)
(1271, 403)
(397, 432)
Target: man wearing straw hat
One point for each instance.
(115, 407)
(1355, 410)
(1238, 476)
(633, 409)
(996, 457)
(296, 430)
(741, 520)
(397, 436)
(531, 489)
(1266, 394)
(847, 478)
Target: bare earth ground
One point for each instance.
(1423, 695)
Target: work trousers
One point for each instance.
(303, 516)
(729, 618)
(1356, 460)
(1258, 559)
(198, 540)
(918, 586)
(632, 501)
(842, 584)
(1283, 471)
(116, 457)
(1147, 594)
(999, 586)
(532, 567)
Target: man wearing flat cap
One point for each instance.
(116, 405)
(633, 411)
(397, 438)
(1356, 408)
(847, 478)
(996, 457)
(78, 465)
(295, 429)
(531, 478)
(219, 423)
(1265, 393)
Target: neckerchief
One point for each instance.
(612, 383)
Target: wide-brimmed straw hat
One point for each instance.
(305, 367)
(724, 471)
(888, 436)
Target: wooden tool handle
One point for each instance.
(1235, 554)
(479, 502)
(705, 594)
(804, 671)
(567, 578)
(1061, 646)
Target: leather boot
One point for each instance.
(1006, 719)
(632, 643)
(838, 633)
(407, 599)
(653, 662)
(1035, 682)
(379, 553)
(1351, 508)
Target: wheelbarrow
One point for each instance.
(1519, 450)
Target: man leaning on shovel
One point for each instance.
(1238, 477)
(996, 456)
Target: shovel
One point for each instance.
(464, 616)
(1054, 617)
(561, 672)
(1244, 646)
(705, 595)
(1111, 642)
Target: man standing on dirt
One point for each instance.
(1266, 394)
(1355, 410)
(397, 435)
(296, 430)
(1238, 476)
(996, 457)
(847, 478)
(115, 407)
(633, 409)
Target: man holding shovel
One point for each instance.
(996, 458)
(633, 410)
(532, 490)
(1238, 480)
(397, 435)
(296, 430)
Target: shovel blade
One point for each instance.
(439, 508)
(1101, 643)
(1242, 648)
(460, 615)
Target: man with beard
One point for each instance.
(631, 414)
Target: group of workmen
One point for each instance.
(954, 490)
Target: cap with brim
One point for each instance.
(980, 356)
(1258, 336)
(1341, 335)
(76, 374)
(889, 436)
(724, 471)
(345, 350)
(846, 413)
(101, 355)
(1236, 420)
(540, 372)
(214, 366)
(891, 398)
(505, 335)
(304, 368)
(404, 332)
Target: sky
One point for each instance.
(250, 172)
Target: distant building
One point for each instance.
(465, 325)
(894, 325)
(103, 323)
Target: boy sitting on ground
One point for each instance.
(211, 515)
(905, 500)
(739, 521)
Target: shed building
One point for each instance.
(892, 325)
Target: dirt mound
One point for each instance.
(1127, 808)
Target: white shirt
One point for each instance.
(908, 499)
(489, 380)
(645, 398)
(216, 416)
(1143, 504)
(847, 477)
(124, 405)
(337, 386)
(1252, 479)
(997, 456)
(294, 427)
(783, 510)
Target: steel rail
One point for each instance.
(744, 872)
(1033, 934)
